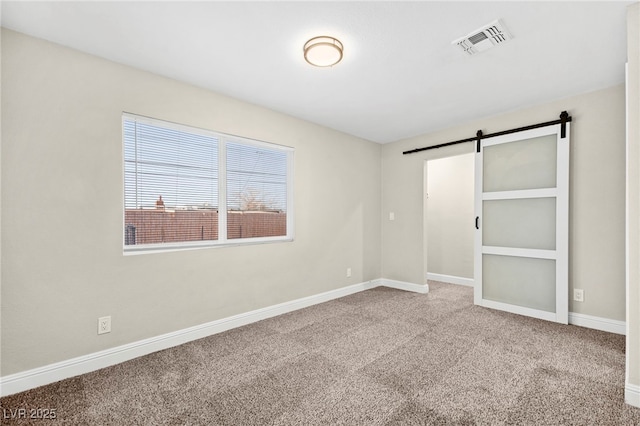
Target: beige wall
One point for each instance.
(403, 248)
(633, 191)
(62, 174)
(450, 215)
(597, 196)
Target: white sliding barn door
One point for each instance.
(522, 215)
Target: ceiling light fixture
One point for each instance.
(323, 51)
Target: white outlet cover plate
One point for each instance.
(104, 325)
(578, 295)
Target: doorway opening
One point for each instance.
(449, 219)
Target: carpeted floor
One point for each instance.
(380, 357)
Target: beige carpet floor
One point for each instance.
(379, 357)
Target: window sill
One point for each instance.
(164, 248)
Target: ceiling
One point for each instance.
(400, 76)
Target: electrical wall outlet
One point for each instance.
(104, 325)
(392, 216)
(578, 295)
(348, 272)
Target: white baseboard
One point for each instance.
(40, 376)
(51, 373)
(582, 320)
(402, 285)
(30, 379)
(632, 395)
(451, 279)
(597, 323)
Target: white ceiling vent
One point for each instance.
(483, 38)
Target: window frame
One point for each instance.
(222, 241)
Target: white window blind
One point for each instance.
(174, 184)
(256, 191)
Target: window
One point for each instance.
(186, 187)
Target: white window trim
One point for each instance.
(222, 240)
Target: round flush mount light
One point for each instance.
(323, 51)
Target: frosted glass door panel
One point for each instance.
(525, 164)
(521, 281)
(520, 223)
(522, 214)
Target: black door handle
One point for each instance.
(477, 222)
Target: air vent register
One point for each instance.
(483, 38)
